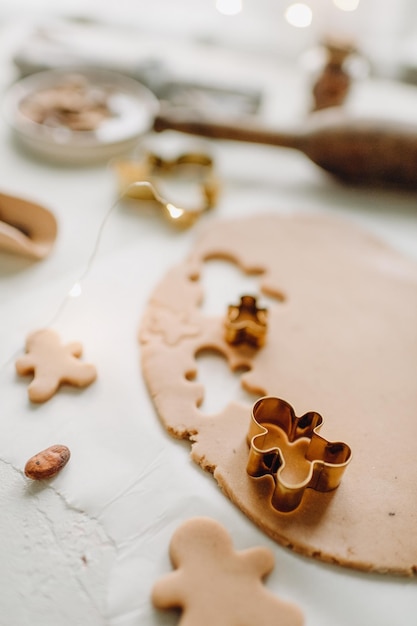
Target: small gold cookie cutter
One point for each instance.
(137, 181)
(319, 463)
(26, 228)
(246, 323)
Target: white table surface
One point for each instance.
(135, 250)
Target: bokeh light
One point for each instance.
(229, 7)
(346, 5)
(299, 15)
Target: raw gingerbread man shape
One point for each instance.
(52, 364)
(214, 584)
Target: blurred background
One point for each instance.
(384, 30)
(221, 54)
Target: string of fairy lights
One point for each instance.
(76, 290)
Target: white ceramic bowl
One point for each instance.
(133, 108)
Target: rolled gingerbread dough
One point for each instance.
(342, 341)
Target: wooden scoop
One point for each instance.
(26, 228)
(356, 151)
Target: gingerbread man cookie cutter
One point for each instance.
(315, 462)
(138, 181)
(246, 323)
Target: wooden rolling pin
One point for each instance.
(357, 151)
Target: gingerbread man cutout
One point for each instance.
(52, 364)
(214, 584)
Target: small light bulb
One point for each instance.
(174, 212)
(75, 290)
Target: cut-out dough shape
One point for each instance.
(26, 228)
(344, 343)
(214, 584)
(52, 364)
(162, 323)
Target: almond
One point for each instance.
(47, 463)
